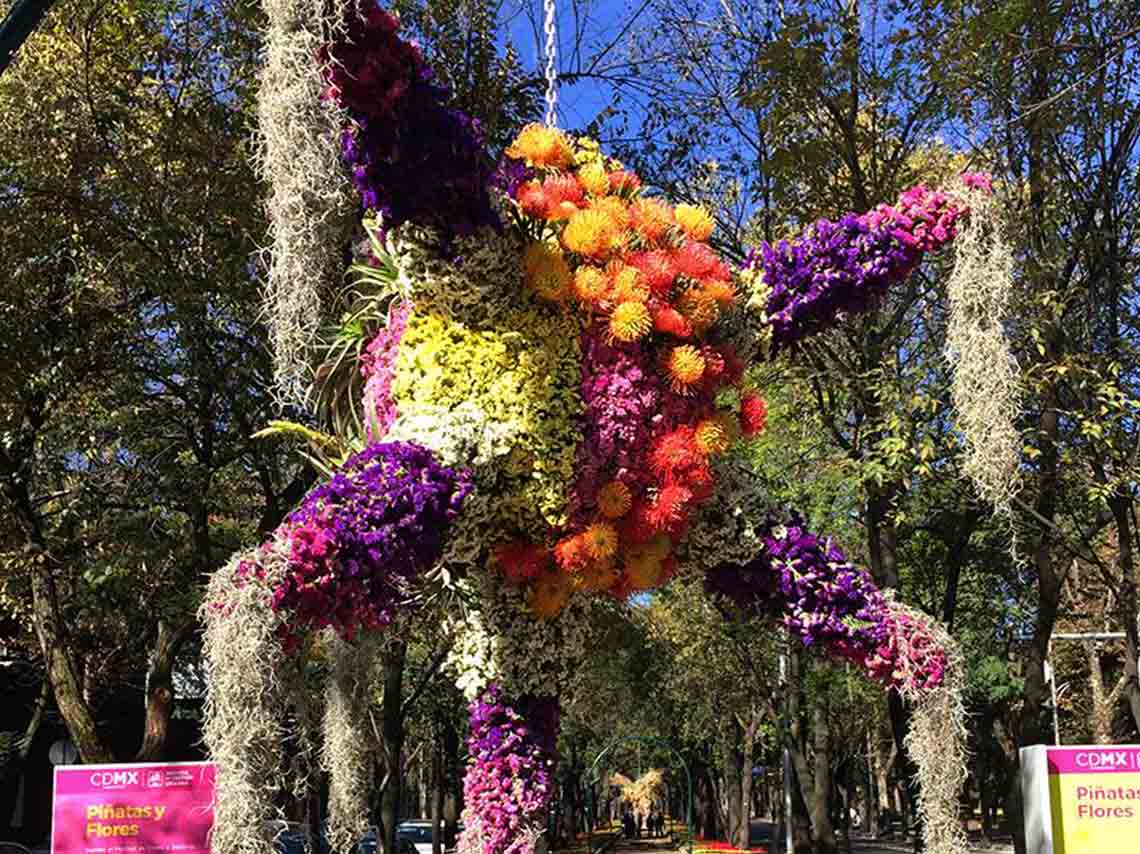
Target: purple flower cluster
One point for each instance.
(510, 778)
(412, 157)
(824, 600)
(628, 404)
(377, 364)
(358, 542)
(843, 267)
(809, 583)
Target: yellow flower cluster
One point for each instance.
(524, 372)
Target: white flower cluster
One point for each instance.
(502, 642)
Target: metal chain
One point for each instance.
(551, 30)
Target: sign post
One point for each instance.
(1081, 799)
(133, 809)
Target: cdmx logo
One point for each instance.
(1104, 759)
(114, 779)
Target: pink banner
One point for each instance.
(1108, 759)
(133, 809)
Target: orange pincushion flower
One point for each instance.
(711, 437)
(601, 541)
(627, 284)
(540, 145)
(723, 293)
(616, 209)
(630, 321)
(698, 309)
(685, 366)
(657, 268)
(753, 414)
(636, 527)
(695, 221)
(522, 561)
(674, 451)
(594, 179)
(623, 181)
(564, 196)
(549, 595)
(695, 260)
(670, 321)
(614, 499)
(595, 576)
(591, 233)
(731, 425)
(546, 271)
(590, 284)
(570, 553)
(651, 218)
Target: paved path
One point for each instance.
(762, 832)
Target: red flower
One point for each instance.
(674, 451)
(669, 511)
(657, 268)
(533, 200)
(753, 414)
(695, 260)
(522, 561)
(670, 321)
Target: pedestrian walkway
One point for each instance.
(763, 833)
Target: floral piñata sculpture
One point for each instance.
(547, 375)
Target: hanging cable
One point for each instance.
(551, 52)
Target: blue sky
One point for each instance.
(597, 21)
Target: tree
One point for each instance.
(134, 369)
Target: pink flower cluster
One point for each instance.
(510, 778)
(923, 219)
(909, 658)
(377, 365)
(628, 405)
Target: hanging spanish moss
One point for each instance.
(985, 387)
(936, 740)
(309, 204)
(346, 755)
(247, 714)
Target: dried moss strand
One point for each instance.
(985, 386)
(309, 203)
(244, 724)
(936, 741)
(346, 755)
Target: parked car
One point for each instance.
(418, 832)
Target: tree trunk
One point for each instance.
(743, 831)
(392, 732)
(65, 683)
(1121, 506)
(733, 775)
(437, 785)
(160, 691)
